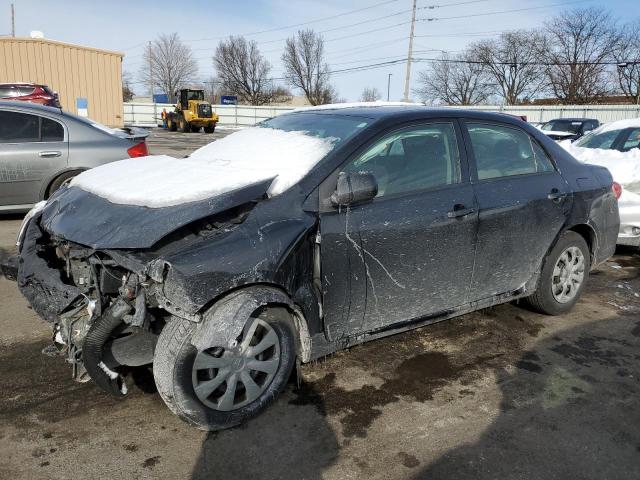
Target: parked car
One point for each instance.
(569, 128)
(29, 92)
(43, 147)
(616, 145)
(315, 231)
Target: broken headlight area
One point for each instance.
(103, 318)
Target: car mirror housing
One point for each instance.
(354, 188)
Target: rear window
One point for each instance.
(602, 140)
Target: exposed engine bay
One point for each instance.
(103, 318)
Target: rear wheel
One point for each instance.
(221, 387)
(195, 129)
(171, 124)
(58, 182)
(563, 277)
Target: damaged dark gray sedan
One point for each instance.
(315, 231)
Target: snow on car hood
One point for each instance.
(243, 158)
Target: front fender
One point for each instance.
(224, 321)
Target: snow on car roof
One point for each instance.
(243, 158)
(618, 125)
(377, 103)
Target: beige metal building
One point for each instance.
(80, 75)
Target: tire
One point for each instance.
(173, 364)
(184, 125)
(59, 181)
(171, 124)
(195, 129)
(210, 128)
(544, 300)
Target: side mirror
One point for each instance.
(353, 188)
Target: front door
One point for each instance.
(32, 149)
(413, 245)
(522, 202)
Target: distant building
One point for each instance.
(88, 80)
(294, 101)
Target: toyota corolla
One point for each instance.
(312, 232)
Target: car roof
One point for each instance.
(28, 106)
(572, 120)
(377, 112)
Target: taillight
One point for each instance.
(617, 189)
(139, 150)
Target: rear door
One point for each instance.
(33, 148)
(417, 237)
(522, 200)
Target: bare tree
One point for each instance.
(168, 64)
(578, 44)
(458, 80)
(305, 67)
(627, 56)
(370, 95)
(511, 62)
(243, 71)
(127, 91)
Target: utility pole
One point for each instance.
(13, 21)
(150, 73)
(388, 85)
(407, 79)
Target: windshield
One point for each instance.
(338, 128)
(195, 95)
(562, 126)
(602, 140)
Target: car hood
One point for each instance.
(87, 219)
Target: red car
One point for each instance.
(29, 92)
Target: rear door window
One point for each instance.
(18, 127)
(502, 151)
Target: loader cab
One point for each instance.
(189, 94)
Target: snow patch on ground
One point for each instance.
(243, 158)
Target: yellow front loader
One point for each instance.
(192, 113)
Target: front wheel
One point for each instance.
(563, 277)
(210, 128)
(221, 387)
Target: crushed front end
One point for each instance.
(103, 315)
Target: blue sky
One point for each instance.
(127, 25)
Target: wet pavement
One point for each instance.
(499, 394)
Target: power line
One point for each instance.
(472, 15)
(294, 25)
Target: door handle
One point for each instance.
(556, 195)
(50, 153)
(460, 210)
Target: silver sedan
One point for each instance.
(43, 147)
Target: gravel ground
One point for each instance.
(499, 394)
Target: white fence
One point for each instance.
(148, 114)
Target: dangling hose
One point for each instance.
(97, 336)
